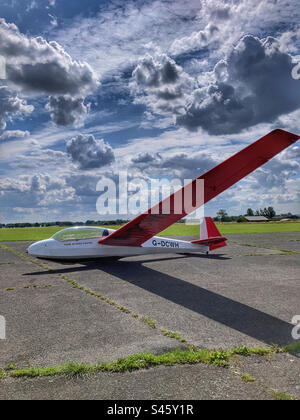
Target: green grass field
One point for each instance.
(179, 229)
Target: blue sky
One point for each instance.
(164, 88)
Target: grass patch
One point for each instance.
(235, 228)
(139, 361)
(258, 351)
(292, 348)
(149, 321)
(247, 378)
(174, 335)
(70, 369)
(11, 366)
(280, 396)
(178, 229)
(135, 362)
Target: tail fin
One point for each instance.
(209, 235)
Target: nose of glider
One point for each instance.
(39, 249)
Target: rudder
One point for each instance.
(209, 235)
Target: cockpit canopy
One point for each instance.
(81, 232)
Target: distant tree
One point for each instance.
(241, 219)
(222, 215)
(250, 212)
(268, 212)
(271, 212)
(257, 213)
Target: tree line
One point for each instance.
(222, 216)
(65, 223)
(268, 212)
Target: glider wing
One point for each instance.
(216, 180)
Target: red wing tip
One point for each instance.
(293, 137)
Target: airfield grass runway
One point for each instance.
(243, 295)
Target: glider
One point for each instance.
(138, 236)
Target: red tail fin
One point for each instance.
(209, 235)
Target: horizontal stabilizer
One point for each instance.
(210, 241)
(209, 235)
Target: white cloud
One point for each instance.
(53, 20)
(195, 41)
(35, 66)
(13, 134)
(161, 84)
(251, 85)
(90, 153)
(11, 106)
(65, 110)
(137, 34)
(123, 31)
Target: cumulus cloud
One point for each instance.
(252, 85)
(11, 106)
(278, 171)
(146, 158)
(65, 110)
(32, 191)
(41, 158)
(180, 164)
(14, 134)
(89, 153)
(160, 83)
(35, 66)
(275, 174)
(196, 40)
(84, 185)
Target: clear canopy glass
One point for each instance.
(81, 232)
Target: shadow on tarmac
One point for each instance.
(233, 314)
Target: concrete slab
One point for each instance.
(224, 300)
(280, 372)
(221, 302)
(12, 274)
(53, 325)
(215, 301)
(287, 240)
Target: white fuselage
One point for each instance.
(91, 248)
